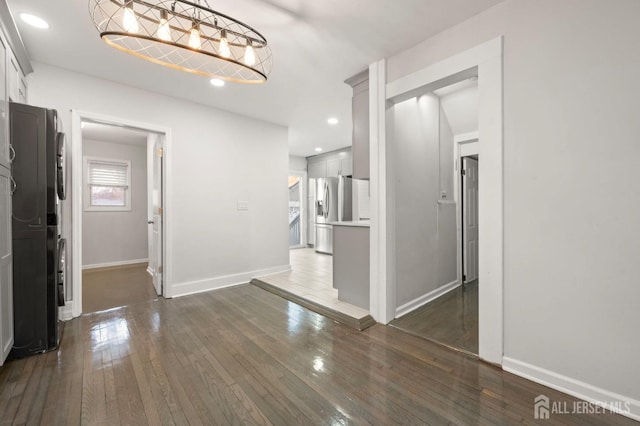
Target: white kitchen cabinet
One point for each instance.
(4, 106)
(317, 170)
(346, 166)
(332, 164)
(360, 116)
(333, 167)
(6, 274)
(13, 71)
(22, 89)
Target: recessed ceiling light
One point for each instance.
(34, 21)
(217, 82)
(318, 149)
(333, 121)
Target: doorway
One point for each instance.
(119, 218)
(297, 210)
(484, 61)
(120, 184)
(437, 215)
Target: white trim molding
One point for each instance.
(112, 264)
(382, 289)
(77, 117)
(571, 386)
(485, 62)
(65, 313)
(216, 283)
(426, 298)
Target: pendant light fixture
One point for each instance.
(164, 30)
(184, 35)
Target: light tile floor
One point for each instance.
(311, 277)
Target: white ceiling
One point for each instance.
(113, 134)
(316, 46)
(460, 104)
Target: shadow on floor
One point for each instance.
(451, 319)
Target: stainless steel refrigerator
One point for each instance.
(333, 204)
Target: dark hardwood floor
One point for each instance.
(451, 319)
(245, 356)
(107, 288)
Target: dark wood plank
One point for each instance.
(245, 356)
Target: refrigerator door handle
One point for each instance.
(327, 204)
(340, 200)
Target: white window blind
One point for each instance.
(102, 173)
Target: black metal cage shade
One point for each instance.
(184, 36)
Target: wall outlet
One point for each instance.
(243, 205)
(443, 195)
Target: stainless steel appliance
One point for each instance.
(38, 179)
(333, 204)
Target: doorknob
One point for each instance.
(150, 222)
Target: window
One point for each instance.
(107, 185)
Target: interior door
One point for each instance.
(155, 249)
(470, 218)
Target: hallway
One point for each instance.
(108, 288)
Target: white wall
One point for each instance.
(218, 159)
(425, 239)
(115, 237)
(571, 99)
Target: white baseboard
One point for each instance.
(110, 264)
(150, 271)
(216, 283)
(65, 313)
(426, 298)
(571, 386)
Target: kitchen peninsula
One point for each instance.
(351, 262)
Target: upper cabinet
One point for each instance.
(13, 87)
(360, 116)
(4, 108)
(331, 164)
(317, 170)
(17, 81)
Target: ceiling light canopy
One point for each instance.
(184, 35)
(34, 21)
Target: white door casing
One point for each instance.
(486, 62)
(470, 218)
(155, 247)
(77, 117)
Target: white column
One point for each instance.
(382, 273)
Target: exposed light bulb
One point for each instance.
(129, 20)
(224, 50)
(164, 31)
(249, 55)
(194, 37)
